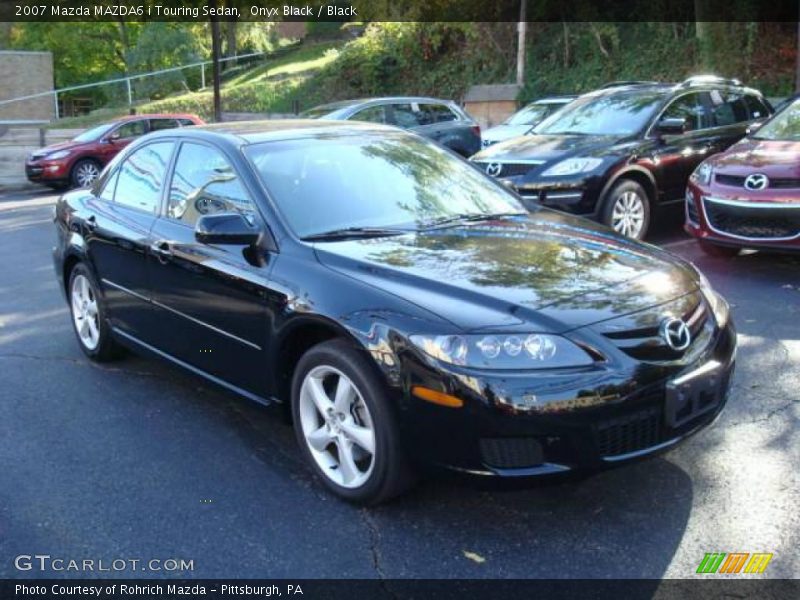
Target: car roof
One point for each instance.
(241, 133)
(155, 116)
(380, 100)
(554, 99)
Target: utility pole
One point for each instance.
(521, 27)
(215, 51)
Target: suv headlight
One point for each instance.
(515, 351)
(702, 174)
(58, 155)
(572, 166)
(719, 307)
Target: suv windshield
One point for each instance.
(390, 181)
(620, 113)
(95, 133)
(784, 126)
(530, 115)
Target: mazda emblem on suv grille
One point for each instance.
(676, 333)
(756, 181)
(494, 169)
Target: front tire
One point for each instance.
(346, 426)
(626, 209)
(84, 173)
(89, 316)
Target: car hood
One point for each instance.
(773, 158)
(546, 147)
(505, 132)
(55, 148)
(546, 272)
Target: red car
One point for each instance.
(77, 163)
(749, 196)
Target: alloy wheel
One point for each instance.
(86, 173)
(337, 426)
(84, 312)
(627, 216)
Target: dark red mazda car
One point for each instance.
(749, 196)
(78, 162)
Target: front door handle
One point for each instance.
(162, 250)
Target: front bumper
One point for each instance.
(603, 418)
(720, 219)
(44, 171)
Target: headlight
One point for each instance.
(57, 155)
(572, 166)
(516, 351)
(717, 303)
(702, 174)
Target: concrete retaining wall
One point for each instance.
(15, 145)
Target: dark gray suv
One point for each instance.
(440, 120)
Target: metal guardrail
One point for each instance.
(129, 78)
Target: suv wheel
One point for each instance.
(626, 209)
(89, 316)
(84, 172)
(346, 426)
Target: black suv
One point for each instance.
(616, 153)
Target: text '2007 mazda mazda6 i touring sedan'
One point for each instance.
(402, 305)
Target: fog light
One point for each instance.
(53, 168)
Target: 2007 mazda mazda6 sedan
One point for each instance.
(402, 305)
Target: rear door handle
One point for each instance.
(161, 249)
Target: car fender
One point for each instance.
(624, 170)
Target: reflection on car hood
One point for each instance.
(773, 158)
(548, 271)
(544, 147)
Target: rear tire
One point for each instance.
(626, 209)
(89, 317)
(346, 426)
(718, 251)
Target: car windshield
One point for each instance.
(318, 112)
(95, 133)
(784, 126)
(621, 113)
(386, 181)
(530, 115)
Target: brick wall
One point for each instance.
(21, 74)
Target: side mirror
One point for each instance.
(225, 228)
(671, 126)
(112, 137)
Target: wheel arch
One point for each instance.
(634, 173)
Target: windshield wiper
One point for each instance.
(467, 218)
(352, 232)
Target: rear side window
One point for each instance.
(141, 177)
(437, 113)
(205, 182)
(691, 108)
(406, 116)
(159, 124)
(729, 108)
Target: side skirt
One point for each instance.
(135, 343)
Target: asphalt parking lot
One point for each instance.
(139, 460)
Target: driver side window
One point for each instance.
(204, 182)
(691, 108)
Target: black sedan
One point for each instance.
(440, 120)
(403, 306)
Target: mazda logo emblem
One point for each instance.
(494, 169)
(676, 333)
(756, 181)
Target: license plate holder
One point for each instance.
(694, 394)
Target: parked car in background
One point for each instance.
(524, 120)
(618, 153)
(403, 306)
(443, 121)
(78, 162)
(749, 196)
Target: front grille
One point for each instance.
(33, 171)
(753, 222)
(511, 453)
(776, 183)
(691, 209)
(506, 169)
(646, 342)
(629, 433)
